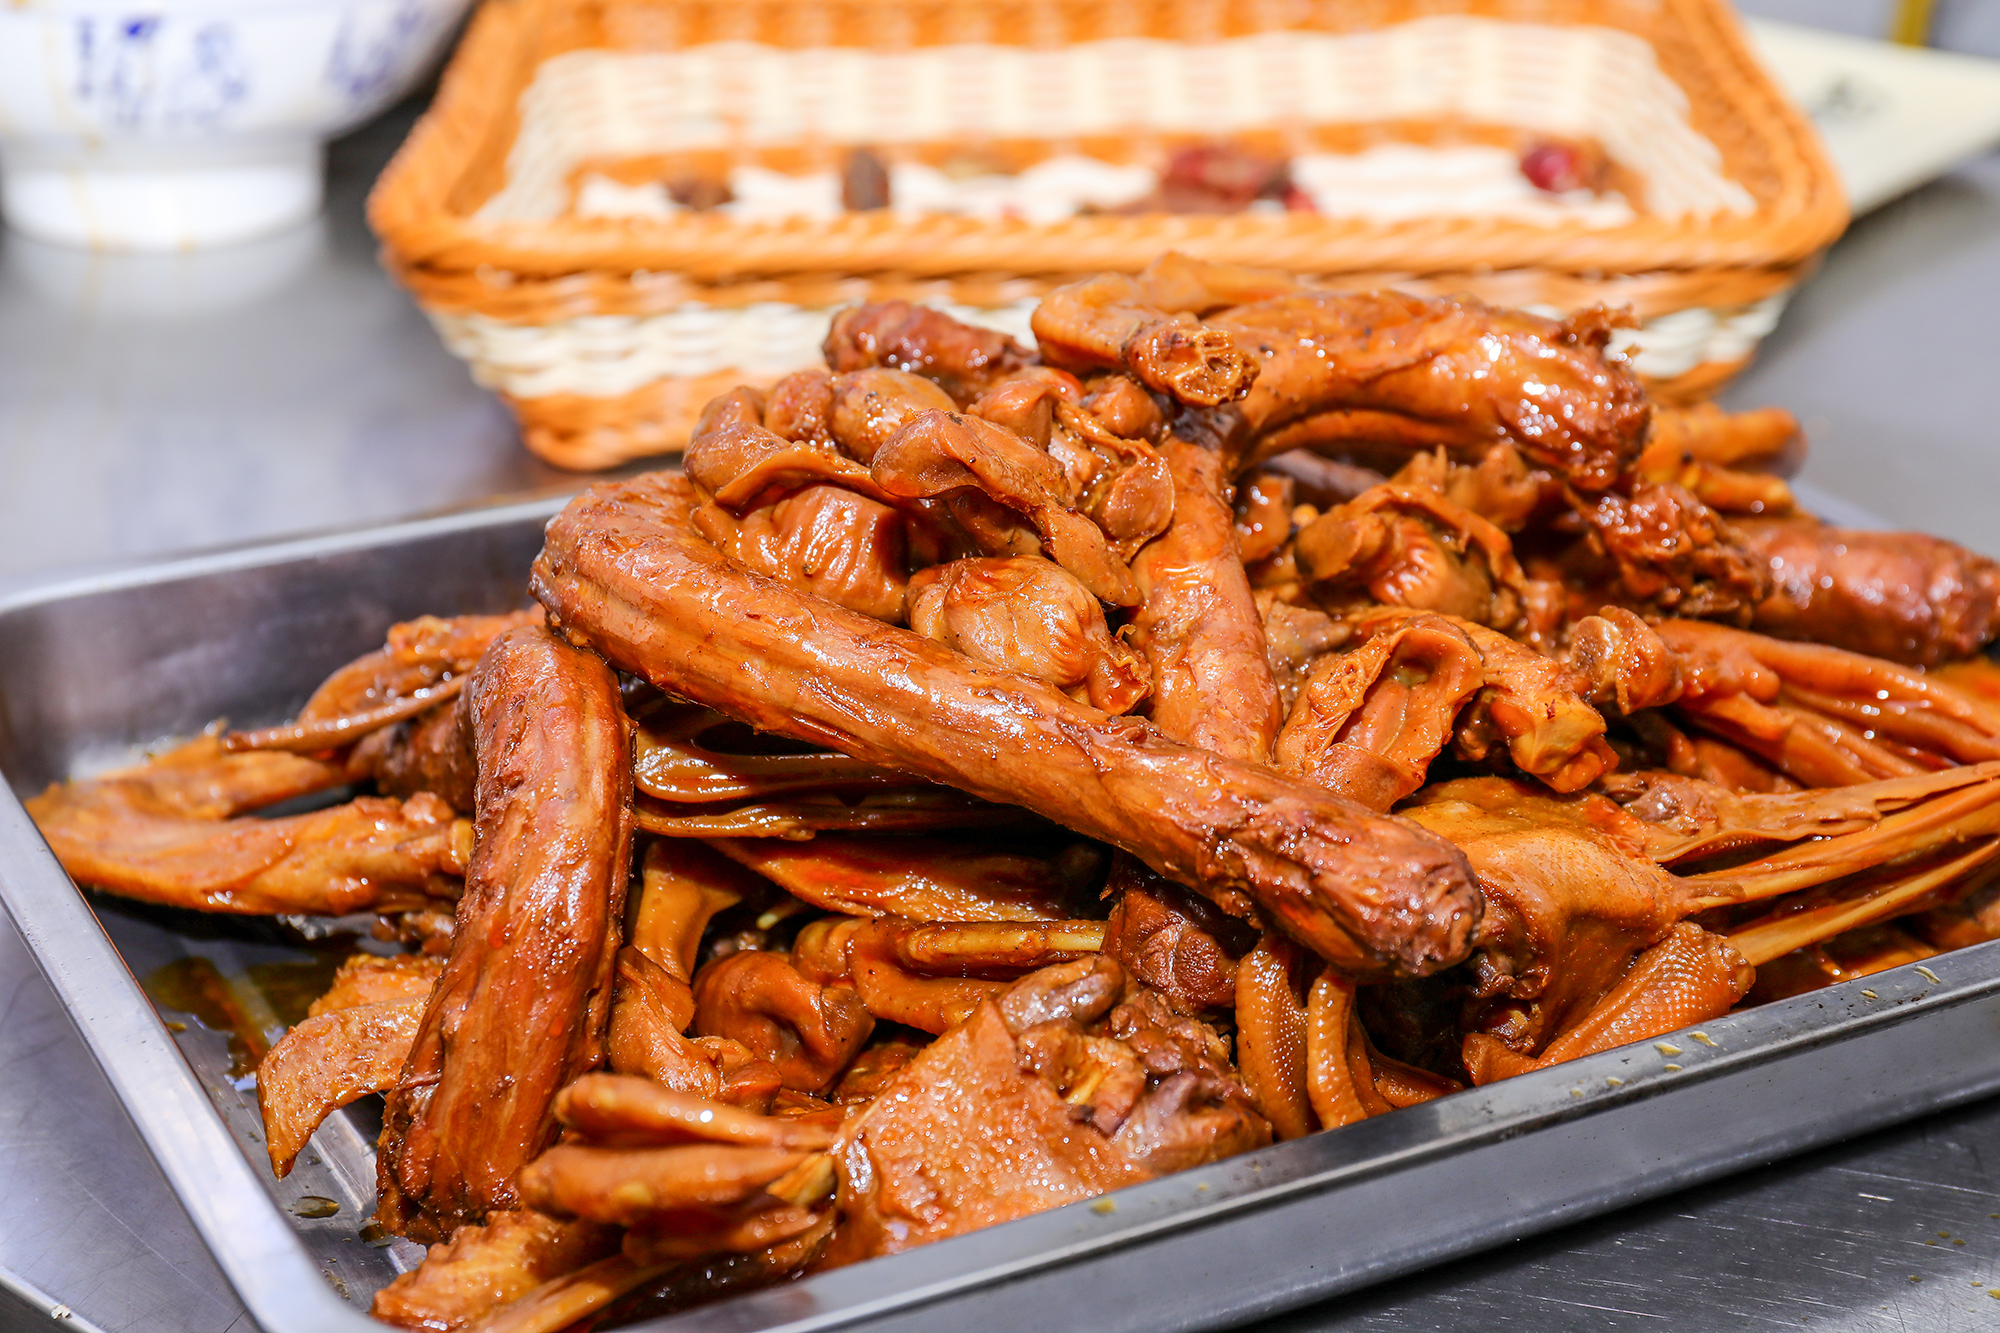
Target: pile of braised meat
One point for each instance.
(985, 778)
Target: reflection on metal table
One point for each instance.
(145, 412)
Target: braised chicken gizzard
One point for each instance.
(984, 777)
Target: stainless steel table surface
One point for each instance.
(154, 406)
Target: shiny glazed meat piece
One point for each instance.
(1433, 372)
(1199, 626)
(958, 358)
(163, 832)
(824, 540)
(1029, 615)
(486, 1267)
(522, 1004)
(1899, 595)
(1038, 1100)
(623, 569)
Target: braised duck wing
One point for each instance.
(521, 1007)
(624, 571)
(1900, 595)
(170, 831)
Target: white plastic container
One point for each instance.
(178, 124)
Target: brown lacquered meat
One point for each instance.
(1368, 722)
(869, 406)
(326, 1062)
(1409, 546)
(522, 1005)
(1574, 894)
(1704, 433)
(741, 465)
(1171, 939)
(161, 833)
(1533, 706)
(807, 1030)
(1199, 626)
(1667, 553)
(825, 540)
(1027, 614)
(1433, 372)
(419, 655)
(799, 407)
(963, 1138)
(932, 975)
(1499, 488)
(637, 1111)
(672, 762)
(1823, 716)
(1690, 976)
(927, 879)
(1110, 323)
(963, 458)
(1899, 595)
(428, 753)
(627, 1186)
(623, 569)
(1073, 1082)
(371, 979)
(961, 359)
(484, 1268)
(1295, 637)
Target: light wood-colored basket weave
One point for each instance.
(606, 335)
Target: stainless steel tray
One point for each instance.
(90, 670)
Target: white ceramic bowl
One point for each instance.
(177, 124)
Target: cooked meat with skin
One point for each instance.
(672, 762)
(1899, 595)
(1690, 976)
(623, 567)
(959, 358)
(1670, 554)
(930, 879)
(742, 466)
(799, 407)
(1256, 710)
(963, 458)
(486, 1267)
(971, 1141)
(371, 979)
(163, 833)
(824, 540)
(870, 406)
(1072, 1083)
(1199, 626)
(1823, 716)
(682, 886)
(1368, 722)
(431, 753)
(1409, 546)
(1109, 323)
(521, 1007)
(631, 1186)
(418, 655)
(1434, 372)
(1027, 614)
(808, 1031)
(1172, 939)
(1575, 895)
(1704, 433)
(639, 1112)
(326, 1062)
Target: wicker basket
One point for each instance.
(606, 334)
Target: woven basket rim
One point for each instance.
(410, 210)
